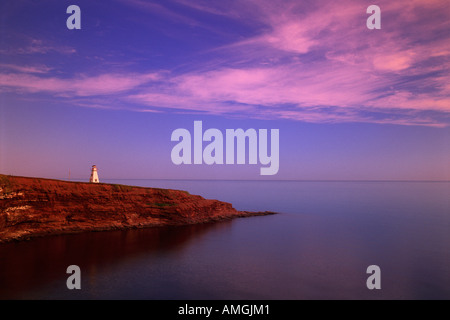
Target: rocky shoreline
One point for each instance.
(35, 207)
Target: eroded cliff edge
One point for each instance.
(31, 207)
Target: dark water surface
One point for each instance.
(318, 247)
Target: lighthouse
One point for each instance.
(94, 175)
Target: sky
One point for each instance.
(350, 103)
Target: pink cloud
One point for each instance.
(309, 61)
(305, 85)
(362, 69)
(26, 69)
(79, 86)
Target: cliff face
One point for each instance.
(36, 207)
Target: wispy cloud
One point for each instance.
(160, 11)
(323, 55)
(306, 61)
(37, 46)
(79, 86)
(26, 69)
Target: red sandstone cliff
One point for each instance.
(32, 207)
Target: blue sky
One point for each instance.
(350, 103)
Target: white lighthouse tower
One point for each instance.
(94, 175)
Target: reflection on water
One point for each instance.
(318, 247)
(27, 266)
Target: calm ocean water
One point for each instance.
(318, 247)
